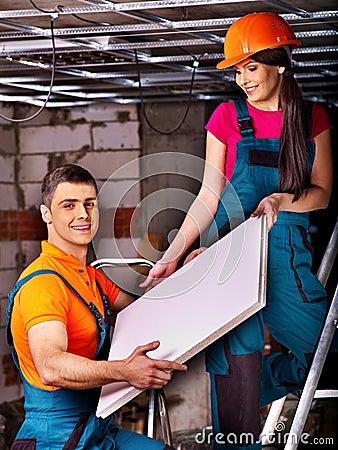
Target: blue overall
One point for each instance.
(65, 419)
(242, 380)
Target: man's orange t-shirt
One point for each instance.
(46, 297)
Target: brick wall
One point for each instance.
(104, 139)
(100, 138)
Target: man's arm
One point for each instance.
(56, 367)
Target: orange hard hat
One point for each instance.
(253, 33)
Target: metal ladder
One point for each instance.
(157, 400)
(309, 391)
(158, 408)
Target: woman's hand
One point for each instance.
(269, 206)
(161, 270)
(193, 254)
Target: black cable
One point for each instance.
(9, 119)
(54, 13)
(47, 11)
(90, 21)
(60, 8)
(195, 64)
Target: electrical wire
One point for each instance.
(47, 11)
(60, 8)
(90, 21)
(55, 13)
(195, 65)
(26, 119)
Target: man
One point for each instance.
(58, 320)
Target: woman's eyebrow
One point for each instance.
(246, 64)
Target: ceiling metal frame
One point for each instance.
(97, 62)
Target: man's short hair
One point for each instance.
(68, 173)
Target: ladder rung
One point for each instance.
(326, 393)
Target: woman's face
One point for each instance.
(260, 82)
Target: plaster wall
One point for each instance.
(102, 138)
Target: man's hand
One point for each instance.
(56, 367)
(147, 373)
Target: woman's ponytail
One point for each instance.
(293, 175)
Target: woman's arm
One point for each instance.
(199, 215)
(317, 196)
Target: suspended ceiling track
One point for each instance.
(196, 24)
(30, 41)
(101, 6)
(106, 6)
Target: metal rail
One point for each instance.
(309, 390)
(157, 399)
(331, 324)
(137, 6)
(158, 405)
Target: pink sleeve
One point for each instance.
(320, 120)
(221, 121)
(223, 125)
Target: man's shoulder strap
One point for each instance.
(18, 286)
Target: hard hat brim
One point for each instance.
(233, 61)
(236, 59)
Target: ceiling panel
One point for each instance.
(103, 48)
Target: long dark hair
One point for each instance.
(293, 174)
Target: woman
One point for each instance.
(275, 151)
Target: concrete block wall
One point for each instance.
(100, 138)
(103, 139)
(180, 171)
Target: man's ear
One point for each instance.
(46, 214)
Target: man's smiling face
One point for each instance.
(73, 216)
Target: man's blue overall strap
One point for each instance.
(65, 417)
(99, 318)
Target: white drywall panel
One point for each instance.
(192, 308)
